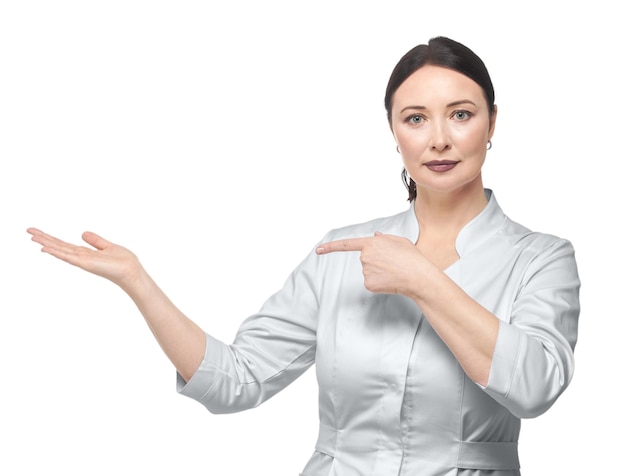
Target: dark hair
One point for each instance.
(447, 53)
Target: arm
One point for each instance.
(181, 339)
(533, 362)
(468, 329)
(525, 362)
(394, 265)
(271, 349)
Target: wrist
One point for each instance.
(424, 282)
(136, 280)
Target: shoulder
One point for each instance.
(398, 224)
(497, 224)
(520, 236)
(539, 253)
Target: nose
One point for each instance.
(440, 139)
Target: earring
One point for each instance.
(489, 144)
(398, 149)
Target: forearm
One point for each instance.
(469, 330)
(392, 264)
(181, 339)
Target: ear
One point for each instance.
(492, 121)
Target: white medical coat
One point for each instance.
(393, 400)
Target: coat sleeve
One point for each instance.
(533, 361)
(271, 349)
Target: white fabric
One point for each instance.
(393, 400)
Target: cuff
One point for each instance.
(505, 361)
(217, 359)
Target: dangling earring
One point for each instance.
(489, 144)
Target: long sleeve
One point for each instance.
(392, 397)
(533, 361)
(271, 349)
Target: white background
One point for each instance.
(220, 141)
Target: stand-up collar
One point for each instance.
(479, 229)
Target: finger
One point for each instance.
(37, 234)
(34, 231)
(352, 244)
(96, 241)
(45, 239)
(58, 248)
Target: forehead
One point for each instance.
(431, 85)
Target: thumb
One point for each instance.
(95, 240)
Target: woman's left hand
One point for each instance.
(391, 264)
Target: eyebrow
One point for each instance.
(452, 104)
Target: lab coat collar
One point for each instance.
(480, 228)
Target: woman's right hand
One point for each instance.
(181, 339)
(107, 259)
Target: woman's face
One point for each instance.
(441, 122)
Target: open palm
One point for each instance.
(105, 259)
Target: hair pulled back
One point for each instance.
(447, 53)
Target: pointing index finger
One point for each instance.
(350, 244)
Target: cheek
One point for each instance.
(471, 138)
(409, 140)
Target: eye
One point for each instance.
(462, 115)
(415, 119)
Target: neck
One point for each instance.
(448, 212)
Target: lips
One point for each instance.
(441, 165)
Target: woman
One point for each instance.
(433, 331)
